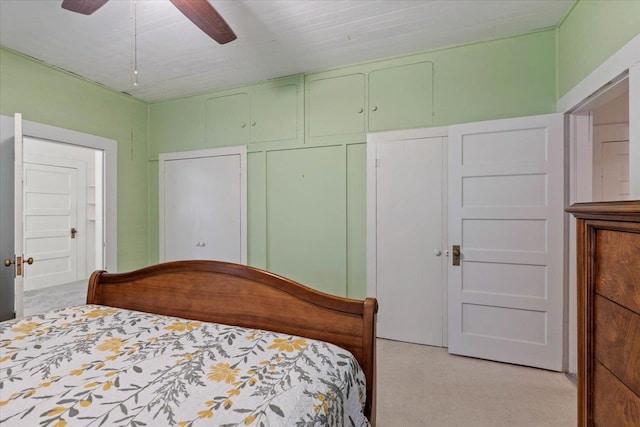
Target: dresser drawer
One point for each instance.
(617, 341)
(617, 267)
(613, 403)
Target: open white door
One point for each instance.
(19, 261)
(7, 291)
(506, 201)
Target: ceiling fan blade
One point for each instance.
(201, 13)
(85, 7)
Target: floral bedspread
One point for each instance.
(101, 366)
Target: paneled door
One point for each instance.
(506, 201)
(615, 170)
(406, 237)
(203, 205)
(52, 199)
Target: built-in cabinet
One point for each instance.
(202, 205)
(261, 113)
(306, 202)
(305, 135)
(336, 105)
(389, 98)
(401, 97)
(406, 238)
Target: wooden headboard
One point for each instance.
(235, 294)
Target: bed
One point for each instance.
(192, 343)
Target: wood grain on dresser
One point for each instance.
(608, 247)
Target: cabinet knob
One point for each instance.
(437, 252)
(253, 123)
(375, 108)
(360, 111)
(243, 125)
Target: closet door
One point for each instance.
(408, 234)
(203, 206)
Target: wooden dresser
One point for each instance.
(608, 247)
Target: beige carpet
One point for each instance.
(55, 297)
(425, 386)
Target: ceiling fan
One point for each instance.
(200, 12)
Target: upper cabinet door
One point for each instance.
(336, 105)
(228, 120)
(401, 97)
(274, 113)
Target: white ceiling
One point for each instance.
(275, 37)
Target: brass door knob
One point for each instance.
(8, 262)
(29, 260)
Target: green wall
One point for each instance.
(307, 202)
(591, 33)
(509, 77)
(47, 95)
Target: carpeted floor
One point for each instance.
(43, 300)
(425, 386)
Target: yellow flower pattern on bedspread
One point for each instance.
(100, 366)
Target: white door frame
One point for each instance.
(240, 150)
(372, 142)
(110, 149)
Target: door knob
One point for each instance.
(18, 262)
(437, 252)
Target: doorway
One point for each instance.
(610, 124)
(62, 220)
(599, 136)
(100, 201)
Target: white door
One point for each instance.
(203, 206)
(409, 240)
(7, 286)
(53, 225)
(506, 201)
(18, 231)
(615, 170)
